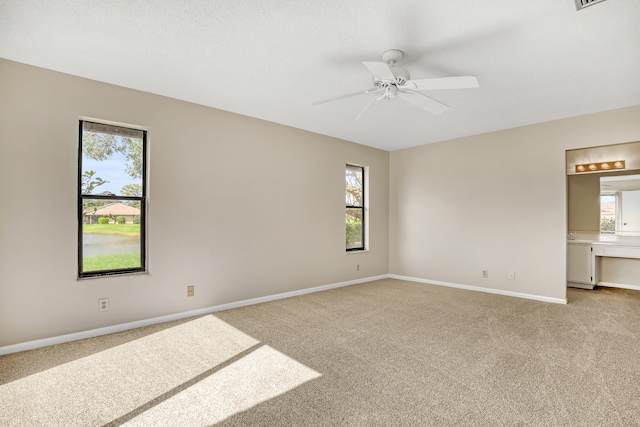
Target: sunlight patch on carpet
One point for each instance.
(105, 386)
(257, 377)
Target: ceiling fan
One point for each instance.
(390, 81)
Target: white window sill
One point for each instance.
(357, 252)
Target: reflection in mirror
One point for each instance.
(607, 213)
(620, 205)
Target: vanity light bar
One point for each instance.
(602, 166)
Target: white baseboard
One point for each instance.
(619, 285)
(580, 285)
(479, 289)
(30, 345)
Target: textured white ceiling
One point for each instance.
(536, 61)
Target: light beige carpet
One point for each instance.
(384, 353)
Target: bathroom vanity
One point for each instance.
(582, 269)
(583, 257)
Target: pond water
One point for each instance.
(107, 244)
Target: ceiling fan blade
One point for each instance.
(462, 82)
(338, 98)
(422, 101)
(380, 70)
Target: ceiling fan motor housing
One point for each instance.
(400, 74)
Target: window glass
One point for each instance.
(111, 200)
(355, 204)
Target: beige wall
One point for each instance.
(625, 271)
(494, 201)
(268, 205)
(583, 195)
(269, 200)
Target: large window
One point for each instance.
(355, 208)
(111, 199)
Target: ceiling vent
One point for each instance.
(581, 4)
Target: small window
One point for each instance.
(355, 208)
(608, 213)
(111, 199)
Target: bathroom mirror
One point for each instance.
(620, 204)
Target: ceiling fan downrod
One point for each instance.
(392, 56)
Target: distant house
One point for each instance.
(112, 211)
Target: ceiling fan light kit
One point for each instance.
(390, 82)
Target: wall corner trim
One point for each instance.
(479, 289)
(31, 345)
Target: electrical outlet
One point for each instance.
(512, 275)
(190, 290)
(357, 267)
(103, 304)
(485, 274)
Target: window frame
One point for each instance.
(142, 199)
(362, 208)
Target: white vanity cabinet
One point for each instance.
(581, 265)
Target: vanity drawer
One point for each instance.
(616, 251)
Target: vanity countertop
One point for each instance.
(607, 239)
